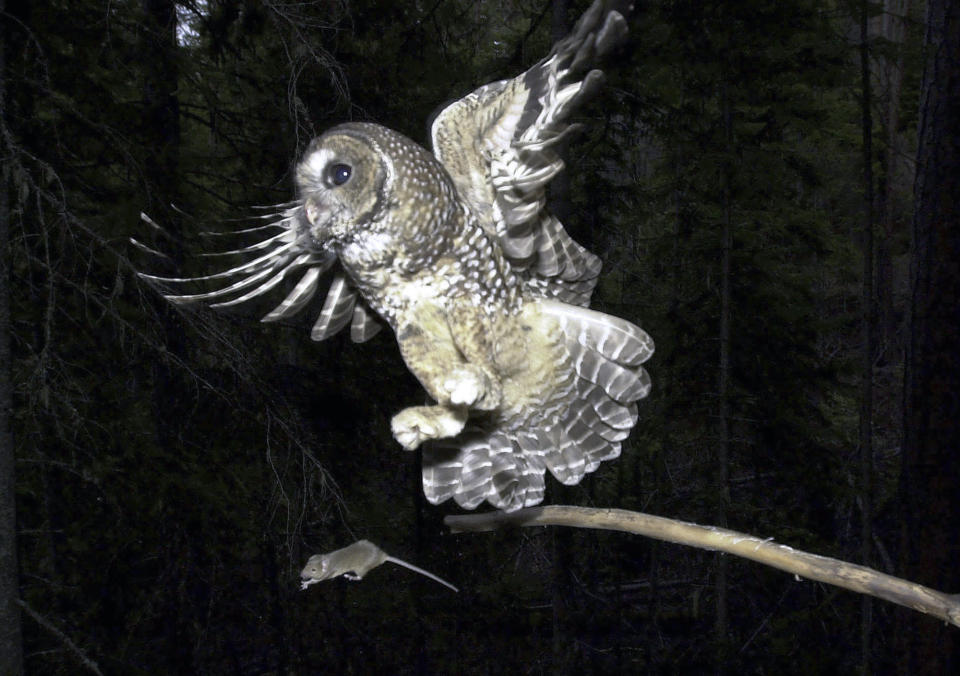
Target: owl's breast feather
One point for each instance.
(392, 292)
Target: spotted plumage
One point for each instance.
(486, 292)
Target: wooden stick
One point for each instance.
(850, 576)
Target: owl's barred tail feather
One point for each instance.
(481, 465)
(506, 467)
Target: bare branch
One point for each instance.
(63, 638)
(850, 576)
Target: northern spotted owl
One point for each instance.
(486, 292)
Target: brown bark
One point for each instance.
(930, 480)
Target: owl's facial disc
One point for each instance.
(340, 180)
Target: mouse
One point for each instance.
(353, 562)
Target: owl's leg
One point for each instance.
(474, 383)
(412, 426)
(449, 367)
(445, 370)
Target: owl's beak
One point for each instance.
(317, 217)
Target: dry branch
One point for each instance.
(850, 576)
(72, 647)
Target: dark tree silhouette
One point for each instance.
(11, 645)
(930, 545)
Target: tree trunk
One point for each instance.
(11, 641)
(161, 106)
(867, 348)
(930, 480)
(161, 137)
(721, 620)
(892, 69)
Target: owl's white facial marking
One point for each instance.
(317, 206)
(316, 163)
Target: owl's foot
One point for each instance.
(469, 386)
(412, 426)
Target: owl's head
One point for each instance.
(370, 192)
(366, 195)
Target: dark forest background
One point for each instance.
(747, 176)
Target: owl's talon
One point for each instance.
(412, 426)
(469, 386)
(410, 438)
(463, 392)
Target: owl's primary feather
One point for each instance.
(486, 292)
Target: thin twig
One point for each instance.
(839, 573)
(63, 638)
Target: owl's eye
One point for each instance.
(340, 173)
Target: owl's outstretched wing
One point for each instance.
(499, 145)
(270, 262)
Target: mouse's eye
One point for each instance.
(340, 173)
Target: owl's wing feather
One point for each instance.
(299, 261)
(614, 338)
(337, 309)
(499, 145)
(364, 325)
(263, 244)
(301, 294)
(284, 253)
(478, 466)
